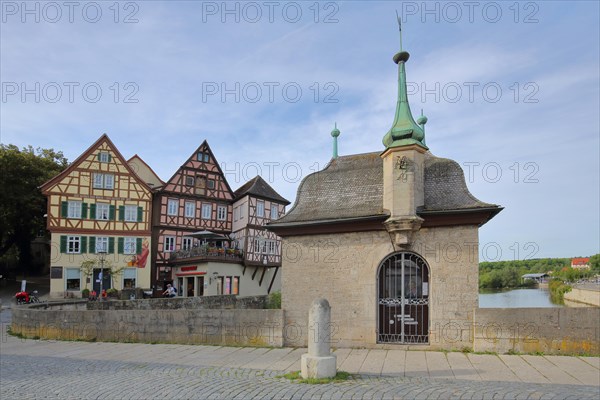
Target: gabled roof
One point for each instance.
(103, 139)
(351, 188)
(145, 172)
(203, 146)
(258, 187)
(580, 261)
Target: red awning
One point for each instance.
(191, 273)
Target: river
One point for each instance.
(517, 298)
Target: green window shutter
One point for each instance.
(92, 243)
(63, 244)
(111, 245)
(121, 213)
(93, 211)
(109, 157)
(99, 158)
(140, 216)
(84, 210)
(138, 246)
(64, 209)
(121, 245)
(111, 212)
(83, 246)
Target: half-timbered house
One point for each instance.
(256, 203)
(196, 198)
(199, 246)
(98, 210)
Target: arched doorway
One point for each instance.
(403, 299)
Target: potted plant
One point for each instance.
(85, 293)
(112, 292)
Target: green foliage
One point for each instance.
(85, 293)
(595, 264)
(274, 300)
(296, 377)
(112, 292)
(22, 205)
(507, 274)
(557, 290)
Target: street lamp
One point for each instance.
(101, 257)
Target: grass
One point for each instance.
(297, 378)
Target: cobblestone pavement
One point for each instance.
(44, 369)
(48, 377)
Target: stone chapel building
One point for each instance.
(390, 238)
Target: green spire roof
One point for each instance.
(404, 131)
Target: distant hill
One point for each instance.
(504, 274)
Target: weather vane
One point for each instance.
(399, 28)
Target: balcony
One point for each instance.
(207, 253)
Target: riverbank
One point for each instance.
(584, 295)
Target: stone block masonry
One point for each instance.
(212, 321)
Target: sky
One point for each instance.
(510, 89)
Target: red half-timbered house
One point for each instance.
(98, 208)
(196, 198)
(198, 247)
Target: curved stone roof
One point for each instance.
(351, 187)
(446, 188)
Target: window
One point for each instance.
(260, 208)
(236, 213)
(206, 211)
(274, 211)
(73, 279)
(189, 181)
(272, 247)
(74, 210)
(221, 213)
(235, 289)
(169, 245)
(131, 213)
(242, 211)
(73, 244)
(103, 157)
(190, 209)
(104, 181)
(228, 285)
(258, 244)
(187, 243)
(101, 245)
(172, 206)
(102, 212)
(129, 245)
(129, 275)
(211, 183)
(202, 156)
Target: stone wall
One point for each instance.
(343, 269)
(531, 330)
(584, 296)
(189, 303)
(145, 321)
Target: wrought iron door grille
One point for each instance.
(403, 299)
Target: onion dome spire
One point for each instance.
(404, 131)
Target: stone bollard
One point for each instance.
(319, 362)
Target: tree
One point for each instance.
(595, 263)
(22, 205)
